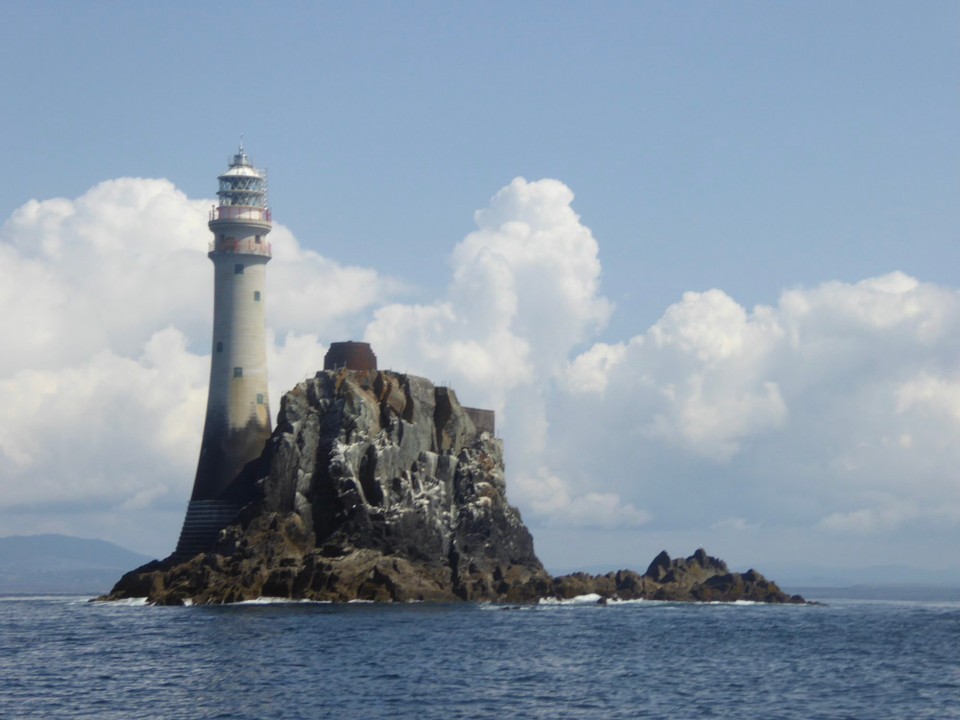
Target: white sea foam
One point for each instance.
(125, 602)
(595, 599)
(588, 599)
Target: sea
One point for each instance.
(67, 657)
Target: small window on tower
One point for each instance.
(256, 296)
(238, 372)
(258, 239)
(238, 269)
(259, 398)
(219, 346)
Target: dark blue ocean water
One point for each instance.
(66, 658)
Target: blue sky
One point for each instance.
(747, 147)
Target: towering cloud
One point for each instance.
(525, 291)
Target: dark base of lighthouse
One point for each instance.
(205, 519)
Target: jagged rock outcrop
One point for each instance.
(374, 485)
(378, 486)
(699, 577)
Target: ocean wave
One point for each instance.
(280, 601)
(45, 598)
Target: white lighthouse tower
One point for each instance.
(238, 409)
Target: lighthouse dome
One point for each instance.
(242, 171)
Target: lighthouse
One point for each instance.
(238, 410)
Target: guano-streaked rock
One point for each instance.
(374, 485)
(377, 485)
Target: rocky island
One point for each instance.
(377, 485)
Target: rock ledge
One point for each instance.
(698, 578)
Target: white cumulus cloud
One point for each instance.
(836, 409)
(827, 419)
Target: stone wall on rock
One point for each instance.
(350, 355)
(483, 420)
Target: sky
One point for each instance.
(701, 258)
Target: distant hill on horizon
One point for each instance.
(53, 563)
